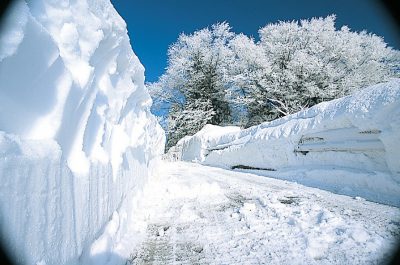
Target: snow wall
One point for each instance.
(349, 146)
(77, 139)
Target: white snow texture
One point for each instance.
(77, 138)
(349, 146)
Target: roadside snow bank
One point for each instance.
(76, 135)
(191, 148)
(349, 145)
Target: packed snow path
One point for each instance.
(193, 214)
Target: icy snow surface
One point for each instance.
(194, 214)
(76, 135)
(348, 146)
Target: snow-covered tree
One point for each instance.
(310, 61)
(247, 76)
(215, 76)
(192, 118)
(196, 71)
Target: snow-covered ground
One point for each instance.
(194, 214)
(349, 145)
(77, 139)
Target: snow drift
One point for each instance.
(349, 145)
(76, 135)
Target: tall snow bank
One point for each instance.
(350, 145)
(76, 133)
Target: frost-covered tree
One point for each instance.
(192, 118)
(196, 71)
(247, 76)
(307, 62)
(215, 76)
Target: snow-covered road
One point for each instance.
(193, 214)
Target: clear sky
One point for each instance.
(155, 24)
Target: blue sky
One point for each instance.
(155, 24)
